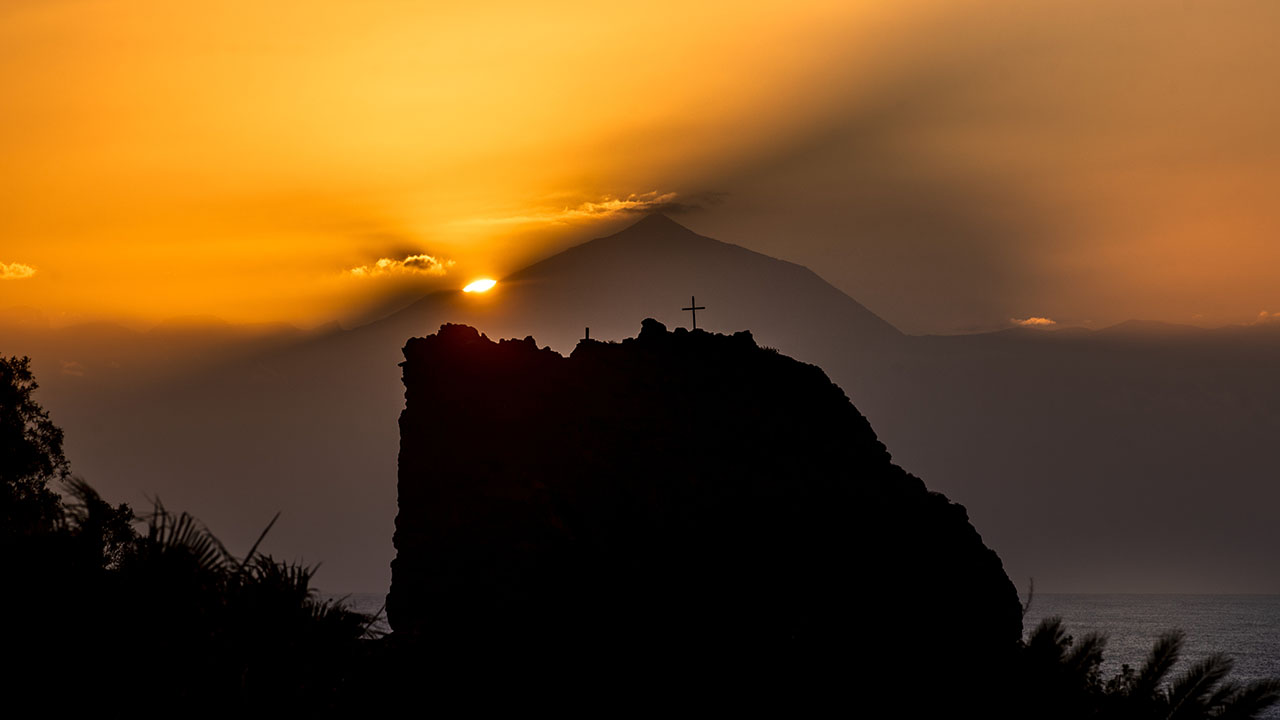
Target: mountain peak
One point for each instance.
(655, 223)
(640, 269)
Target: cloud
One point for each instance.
(15, 271)
(610, 206)
(670, 202)
(633, 204)
(419, 264)
(1267, 317)
(1033, 321)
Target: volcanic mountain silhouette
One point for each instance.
(650, 269)
(644, 268)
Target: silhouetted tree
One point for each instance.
(31, 449)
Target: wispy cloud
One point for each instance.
(15, 271)
(1267, 317)
(609, 206)
(420, 264)
(1033, 321)
(633, 203)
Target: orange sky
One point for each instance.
(951, 168)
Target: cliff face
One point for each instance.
(676, 493)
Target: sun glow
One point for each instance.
(479, 286)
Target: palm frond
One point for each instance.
(81, 497)
(1250, 701)
(1188, 692)
(249, 555)
(1224, 693)
(1049, 640)
(1086, 657)
(169, 533)
(1164, 654)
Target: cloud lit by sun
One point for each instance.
(15, 271)
(604, 207)
(479, 286)
(1033, 322)
(423, 264)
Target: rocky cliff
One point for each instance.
(683, 497)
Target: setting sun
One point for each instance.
(479, 286)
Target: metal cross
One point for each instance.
(694, 307)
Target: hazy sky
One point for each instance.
(952, 166)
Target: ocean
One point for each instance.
(1245, 627)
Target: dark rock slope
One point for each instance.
(684, 497)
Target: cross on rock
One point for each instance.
(694, 307)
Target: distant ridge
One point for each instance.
(1151, 328)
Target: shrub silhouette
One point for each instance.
(118, 608)
(260, 632)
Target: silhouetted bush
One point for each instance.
(105, 609)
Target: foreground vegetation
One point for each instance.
(1062, 678)
(104, 605)
(107, 608)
